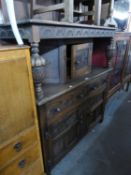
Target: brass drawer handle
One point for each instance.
(18, 147)
(54, 111)
(58, 109)
(77, 62)
(93, 88)
(22, 163)
(81, 96)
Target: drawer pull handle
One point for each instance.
(93, 88)
(81, 96)
(58, 109)
(77, 62)
(18, 146)
(22, 163)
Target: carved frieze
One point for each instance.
(6, 33)
(55, 31)
(51, 32)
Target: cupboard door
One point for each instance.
(58, 146)
(81, 59)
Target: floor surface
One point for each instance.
(106, 149)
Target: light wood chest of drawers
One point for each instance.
(20, 148)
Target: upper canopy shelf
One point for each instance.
(35, 29)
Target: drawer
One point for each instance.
(34, 169)
(96, 91)
(81, 94)
(12, 149)
(20, 164)
(95, 100)
(97, 81)
(57, 108)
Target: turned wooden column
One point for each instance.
(68, 10)
(97, 15)
(38, 70)
(110, 52)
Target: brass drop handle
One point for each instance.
(77, 62)
(18, 147)
(58, 109)
(22, 163)
(81, 96)
(93, 88)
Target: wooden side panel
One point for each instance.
(16, 110)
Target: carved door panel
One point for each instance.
(127, 69)
(119, 61)
(60, 138)
(81, 59)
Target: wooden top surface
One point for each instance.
(13, 47)
(56, 23)
(55, 90)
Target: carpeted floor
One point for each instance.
(106, 150)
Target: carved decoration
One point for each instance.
(47, 31)
(110, 52)
(6, 33)
(51, 32)
(38, 64)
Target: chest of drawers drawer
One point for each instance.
(12, 149)
(58, 105)
(23, 162)
(57, 108)
(34, 169)
(96, 91)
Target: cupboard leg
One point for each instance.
(127, 85)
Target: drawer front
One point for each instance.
(57, 108)
(94, 92)
(82, 93)
(18, 145)
(34, 169)
(19, 165)
(58, 105)
(95, 101)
